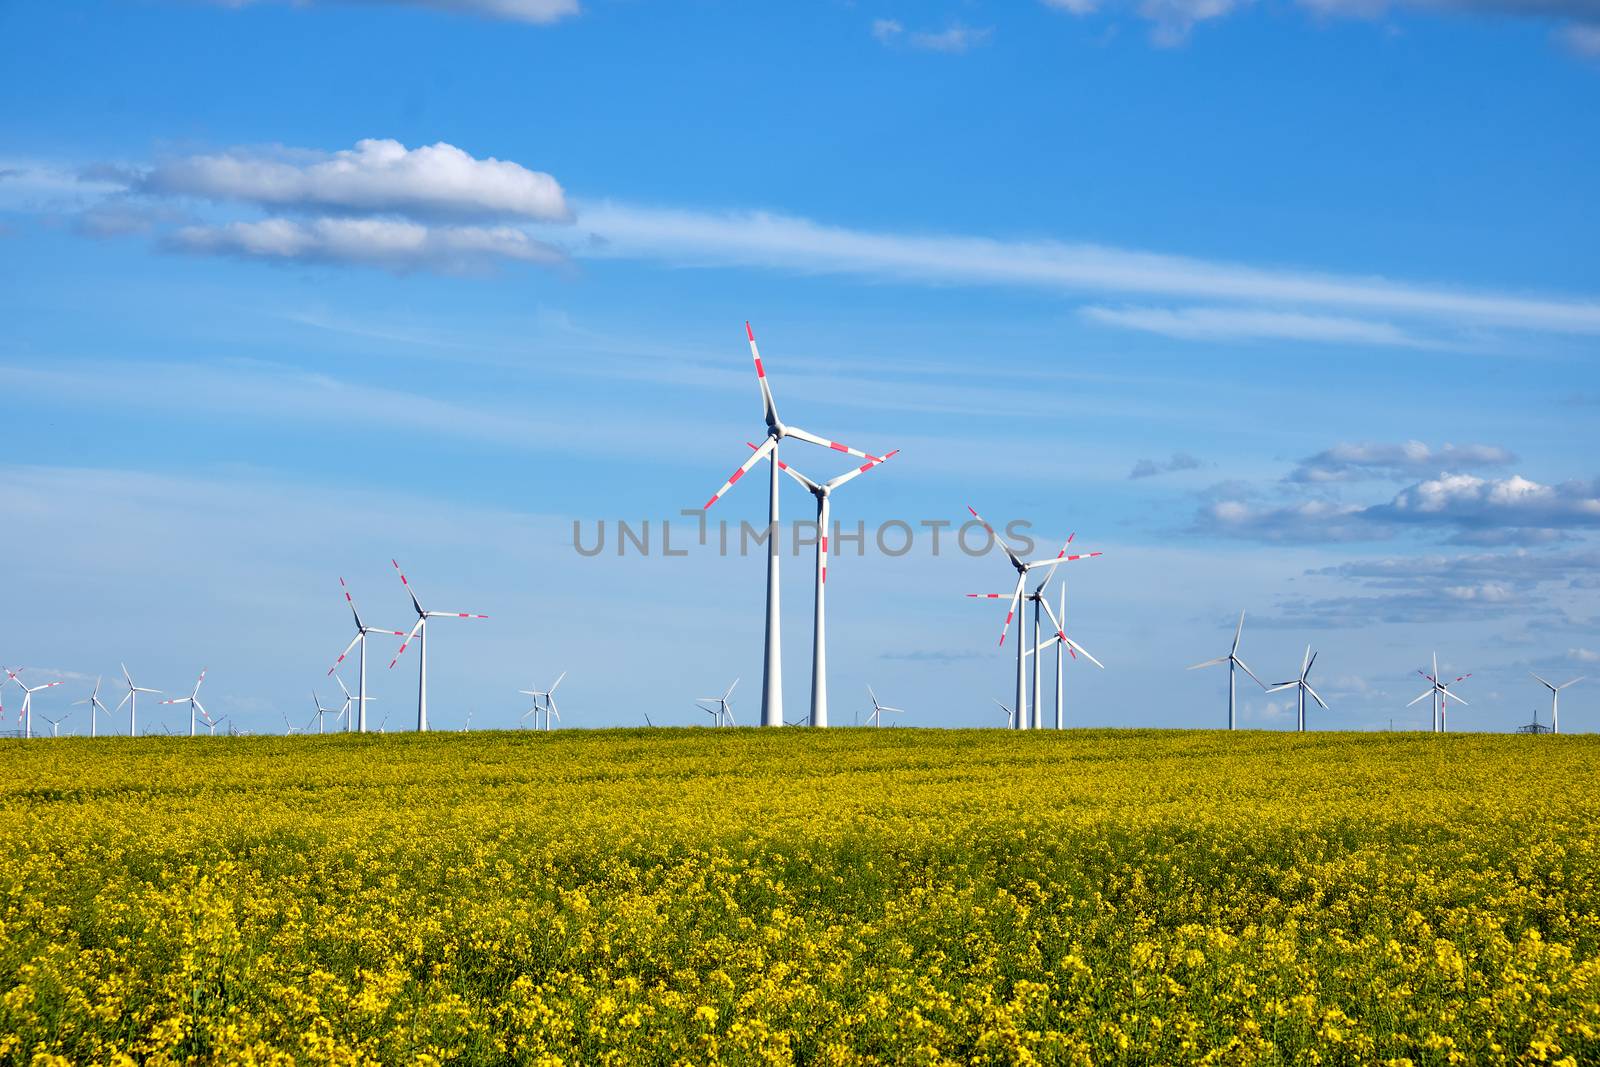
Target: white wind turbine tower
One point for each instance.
(1555, 699)
(777, 430)
(193, 700)
(1440, 692)
(1023, 647)
(1232, 660)
(1302, 686)
(1060, 642)
(722, 713)
(1011, 716)
(55, 724)
(878, 709)
(25, 716)
(95, 707)
(549, 698)
(420, 632)
(362, 630)
(819, 641)
(131, 698)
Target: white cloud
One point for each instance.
(535, 11)
(1515, 501)
(1306, 522)
(1237, 324)
(1074, 7)
(1582, 38)
(786, 242)
(1352, 462)
(955, 38)
(887, 30)
(394, 244)
(1175, 18)
(377, 176)
(1583, 655)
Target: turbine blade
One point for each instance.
(1248, 671)
(1424, 696)
(791, 472)
(409, 591)
(997, 539)
(744, 469)
(1209, 663)
(811, 438)
(1011, 611)
(769, 409)
(1317, 698)
(345, 653)
(856, 472)
(1238, 633)
(407, 642)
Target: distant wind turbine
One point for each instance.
(322, 712)
(1555, 700)
(362, 632)
(1302, 686)
(55, 724)
(420, 632)
(722, 711)
(549, 698)
(131, 698)
(1024, 648)
(777, 430)
(193, 700)
(1440, 692)
(878, 709)
(26, 714)
(1011, 716)
(1232, 660)
(95, 707)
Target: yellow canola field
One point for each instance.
(849, 896)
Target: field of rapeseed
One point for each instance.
(782, 896)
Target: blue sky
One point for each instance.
(1292, 307)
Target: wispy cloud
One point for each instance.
(534, 11)
(1173, 20)
(1248, 324)
(785, 242)
(1410, 459)
(955, 38)
(1179, 461)
(393, 244)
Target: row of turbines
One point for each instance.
(1026, 711)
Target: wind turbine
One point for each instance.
(322, 712)
(94, 708)
(777, 430)
(25, 716)
(55, 724)
(1303, 686)
(132, 700)
(549, 697)
(1440, 692)
(819, 644)
(1022, 569)
(723, 712)
(1060, 642)
(1011, 716)
(1555, 700)
(362, 630)
(1232, 660)
(193, 700)
(347, 709)
(289, 728)
(420, 632)
(878, 709)
(211, 726)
